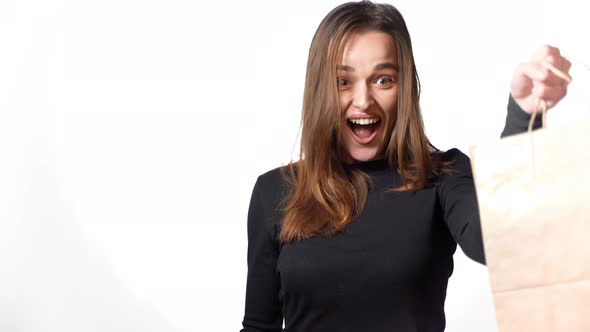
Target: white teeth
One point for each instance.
(364, 121)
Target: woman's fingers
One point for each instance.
(545, 73)
(551, 94)
(561, 73)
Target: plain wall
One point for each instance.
(132, 132)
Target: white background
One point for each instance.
(132, 132)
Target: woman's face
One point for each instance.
(367, 84)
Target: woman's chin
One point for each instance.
(363, 155)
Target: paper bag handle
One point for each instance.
(542, 105)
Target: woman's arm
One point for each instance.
(459, 204)
(533, 80)
(263, 311)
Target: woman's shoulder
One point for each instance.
(271, 177)
(454, 162)
(453, 155)
(278, 175)
(275, 182)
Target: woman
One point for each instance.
(359, 234)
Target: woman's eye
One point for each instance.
(384, 80)
(343, 83)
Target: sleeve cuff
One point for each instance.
(517, 120)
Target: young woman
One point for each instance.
(359, 234)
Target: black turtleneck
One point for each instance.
(387, 271)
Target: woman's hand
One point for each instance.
(538, 79)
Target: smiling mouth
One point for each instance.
(364, 129)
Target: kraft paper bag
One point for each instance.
(534, 198)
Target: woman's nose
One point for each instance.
(362, 97)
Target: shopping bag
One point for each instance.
(534, 200)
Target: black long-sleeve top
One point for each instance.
(388, 271)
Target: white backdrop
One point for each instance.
(132, 132)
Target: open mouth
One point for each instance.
(364, 130)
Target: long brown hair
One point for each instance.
(325, 194)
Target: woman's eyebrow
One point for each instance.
(345, 68)
(385, 65)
